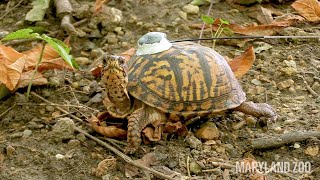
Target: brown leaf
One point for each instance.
(146, 160)
(98, 5)
(57, 63)
(105, 166)
(26, 77)
(310, 9)
(241, 64)
(9, 54)
(10, 74)
(252, 29)
(108, 131)
(288, 19)
(263, 15)
(151, 134)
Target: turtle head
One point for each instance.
(115, 65)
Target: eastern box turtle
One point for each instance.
(181, 81)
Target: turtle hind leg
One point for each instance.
(258, 110)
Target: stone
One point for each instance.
(208, 131)
(50, 108)
(285, 84)
(290, 63)
(111, 38)
(316, 87)
(312, 150)
(82, 61)
(289, 71)
(118, 30)
(193, 142)
(62, 130)
(195, 168)
(256, 82)
(296, 145)
(191, 9)
(26, 133)
(10, 151)
(74, 143)
(183, 15)
(81, 137)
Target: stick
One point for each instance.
(203, 24)
(114, 150)
(6, 111)
(271, 142)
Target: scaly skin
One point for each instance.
(258, 110)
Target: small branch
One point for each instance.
(289, 138)
(314, 94)
(35, 70)
(223, 165)
(188, 166)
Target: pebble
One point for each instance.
(195, 168)
(82, 61)
(296, 145)
(10, 150)
(183, 15)
(111, 38)
(50, 108)
(54, 81)
(74, 143)
(34, 125)
(208, 131)
(191, 9)
(193, 142)
(119, 31)
(59, 156)
(316, 87)
(256, 82)
(289, 71)
(290, 63)
(26, 133)
(62, 130)
(285, 84)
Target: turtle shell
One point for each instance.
(187, 78)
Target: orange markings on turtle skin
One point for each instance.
(206, 105)
(192, 107)
(178, 107)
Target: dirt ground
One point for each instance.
(36, 144)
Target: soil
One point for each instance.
(38, 142)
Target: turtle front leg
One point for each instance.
(137, 121)
(258, 110)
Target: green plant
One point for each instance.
(210, 21)
(62, 49)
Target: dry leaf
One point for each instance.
(105, 166)
(9, 54)
(108, 131)
(312, 150)
(57, 63)
(98, 6)
(288, 19)
(263, 15)
(257, 176)
(310, 9)
(26, 77)
(10, 74)
(241, 64)
(151, 134)
(146, 160)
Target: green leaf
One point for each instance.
(206, 19)
(228, 32)
(21, 34)
(62, 49)
(224, 21)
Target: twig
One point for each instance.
(203, 24)
(59, 108)
(11, 9)
(188, 166)
(6, 111)
(102, 143)
(61, 105)
(314, 94)
(223, 165)
(271, 142)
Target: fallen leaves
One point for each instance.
(108, 131)
(16, 68)
(241, 64)
(310, 9)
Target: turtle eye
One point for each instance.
(121, 61)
